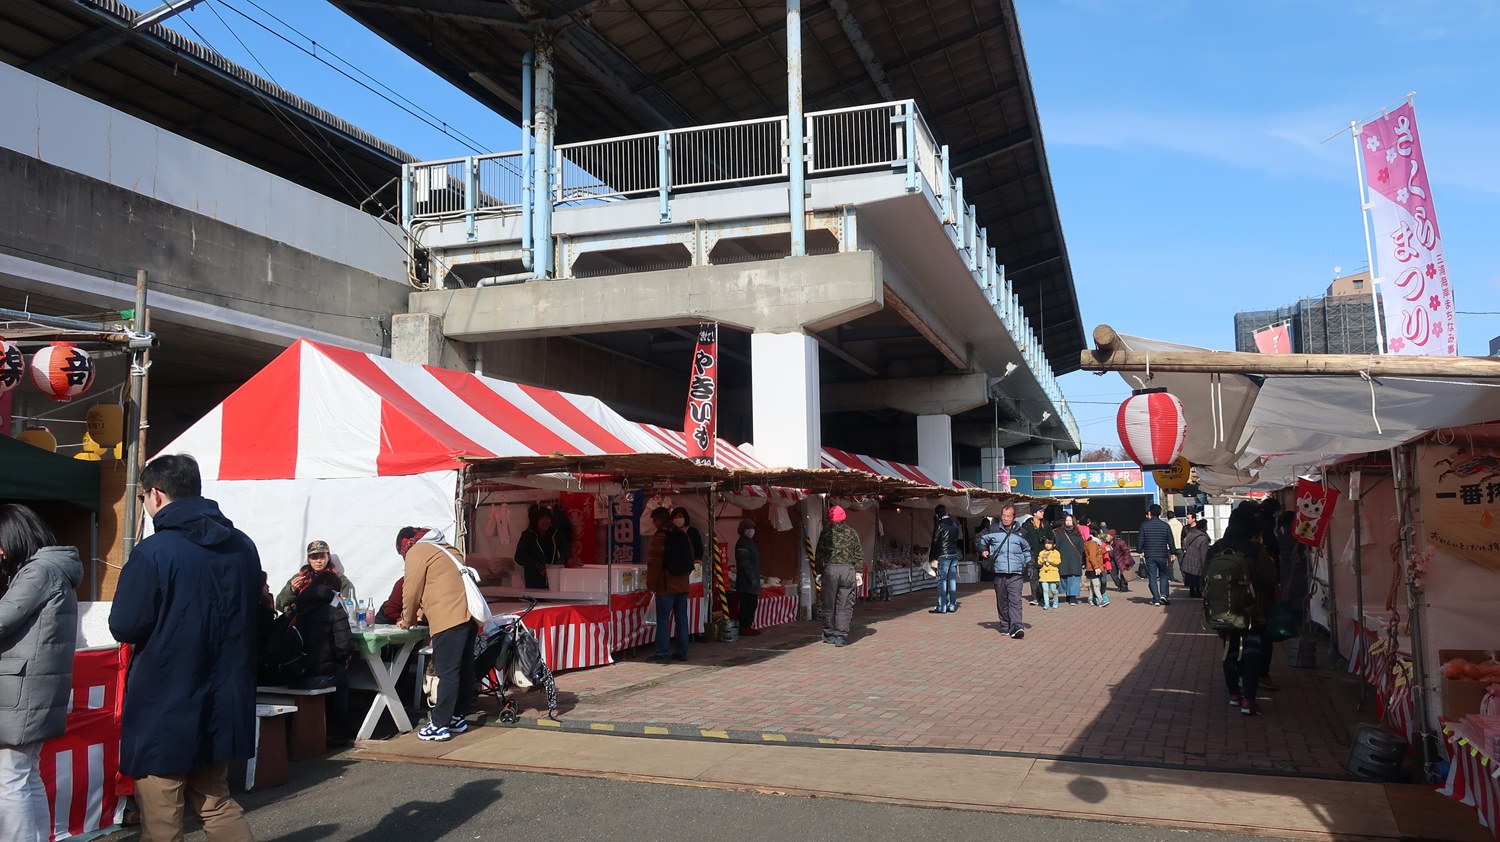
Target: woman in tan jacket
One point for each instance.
(433, 586)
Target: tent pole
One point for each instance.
(1359, 581)
(1401, 467)
(135, 426)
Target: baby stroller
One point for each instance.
(508, 653)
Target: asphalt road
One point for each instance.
(338, 800)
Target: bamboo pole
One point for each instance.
(1111, 355)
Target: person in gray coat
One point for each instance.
(38, 633)
(747, 576)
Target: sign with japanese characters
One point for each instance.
(1415, 294)
(624, 527)
(1314, 511)
(1276, 339)
(701, 424)
(1085, 479)
(1460, 487)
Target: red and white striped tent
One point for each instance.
(728, 456)
(330, 444)
(845, 461)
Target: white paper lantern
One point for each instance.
(62, 370)
(1152, 428)
(12, 366)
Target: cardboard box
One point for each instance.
(1461, 697)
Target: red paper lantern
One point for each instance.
(1152, 428)
(12, 366)
(62, 370)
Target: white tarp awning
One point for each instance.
(1254, 433)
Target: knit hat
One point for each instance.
(836, 514)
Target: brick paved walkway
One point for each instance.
(1129, 682)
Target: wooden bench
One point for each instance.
(308, 737)
(268, 768)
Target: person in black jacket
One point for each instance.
(944, 555)
(747, 576)
(539, 546)
(327, 640)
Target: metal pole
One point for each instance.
(528, 191)
(135, 421)
(1400, 468)
(543, 123)
(1359, 591)
(796, 153)
(1364, 217)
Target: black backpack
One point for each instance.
(1228, 595)
(283, 655)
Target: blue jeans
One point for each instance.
(671, 606)
(947, 582)
(1159, 577)
(1049, 594)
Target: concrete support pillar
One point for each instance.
(544, 123)
(935, 446)
(991, 460)
(418, 338)
(787, 403)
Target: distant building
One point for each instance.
(1342, 321)
(1495, 347)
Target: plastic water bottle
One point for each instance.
(360, 616)
(352, 614)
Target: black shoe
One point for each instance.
(938, 610)
(658, 659)
(1165, 601)
(1017, 634)
(679, 656)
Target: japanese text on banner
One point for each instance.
(701, 426)
(1416, 297)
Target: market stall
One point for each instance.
(1404, 455)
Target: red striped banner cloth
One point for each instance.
(81, 769)
(1473, 778)
(572, 636)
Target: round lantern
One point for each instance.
(1120, 481)
(1083, 483)
(12, 366)
(62, 370)
(39, 437)
(1046, 483)
(1014, 482)
(106, 424)
(1174, 477)
(1152, 428)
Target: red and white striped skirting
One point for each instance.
(630, 612)
(1473, 778)
(81, 769)
(572, 636)
(776, 607)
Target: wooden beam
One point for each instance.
(1112, 356)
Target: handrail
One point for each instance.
(886, 136)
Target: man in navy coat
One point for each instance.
(186, 604)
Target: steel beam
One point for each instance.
(862, 48)
(796, 153)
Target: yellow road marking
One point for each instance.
(601, 726)
(654, 729)
(722, 735)
(549, 723)
(773, 738)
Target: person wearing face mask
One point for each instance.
(538, 547)
(747, 576)
(684, 524)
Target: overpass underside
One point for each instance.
(895, 333)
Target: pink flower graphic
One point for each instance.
(1384, 176)
(1437, 329)
(1372, 144)
(1431, 271)
(1434, 303)
(1397, 343)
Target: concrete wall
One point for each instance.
(55, 125)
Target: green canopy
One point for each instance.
(31, 474)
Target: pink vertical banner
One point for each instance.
(1416, 296)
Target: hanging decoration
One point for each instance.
(1174, 477)
(1314, 503)
(39, 437)
(12, 366)
(106, 423)
(1152, 428)
(62, 370)
(701, 424)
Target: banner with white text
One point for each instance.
(1414, 288)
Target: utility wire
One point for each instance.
(415, 110)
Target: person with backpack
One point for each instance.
(1232, 605)
(1095, 566)
(1005, 546)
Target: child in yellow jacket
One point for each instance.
(1050, 562)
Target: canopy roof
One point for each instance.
(319, 412)
(1251, 431)
(29, 474)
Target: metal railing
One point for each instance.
(889, 136)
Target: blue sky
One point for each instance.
(1185, 140)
